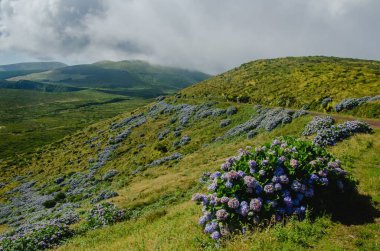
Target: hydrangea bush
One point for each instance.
(330, 134)
(39, 238)
(105, 214)
(269, 183)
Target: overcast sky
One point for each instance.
(207, 35)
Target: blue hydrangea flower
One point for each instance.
(325, 181)
(229, 184)
(275, 179)
(281, 160)
(288, 201)
(211, 227)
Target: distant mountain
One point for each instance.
(21, 69)
(123, 74)
(32, 66)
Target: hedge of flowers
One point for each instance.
(329, 134)
(40, 238)
(104, 214)
(268, 183)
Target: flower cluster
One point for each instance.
(104, 214)
(351, 103)
(318, 123)
(329, 134)
(39, 238)
(271, 182)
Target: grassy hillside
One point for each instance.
(296, 82)
(149, 160)
(124, 74)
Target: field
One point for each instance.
(39, 118)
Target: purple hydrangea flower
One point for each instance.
(284, 179)
(276, 142)
(255, 204)
(250, 181)
(296, 185)
(212, 186)
(215, 175)
(283, 145)
(313, 178)
(241, 174)
(229, 184)
(233, 203)
(325, 181)
(269, 188)
(293, 163)
(224, 200)
(281, 160)
(244, 208)
(333, 164)
(215, 235)
(288, 201)
(277, 187)
(221, 214)
(262, 172)
(275, 179)
(211, 227)
(265, 162)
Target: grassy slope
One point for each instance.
(166, 219)
(295, 82)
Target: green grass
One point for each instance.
(30, 119)
(295, 82)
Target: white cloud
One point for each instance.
(209, 35)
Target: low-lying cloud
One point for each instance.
(208, 35)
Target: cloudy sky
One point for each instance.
(207, 35)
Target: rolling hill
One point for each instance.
(125, 74)
(148, 161)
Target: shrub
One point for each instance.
(39, 238)
(49, 203)
(334, 134)
(104, 214)
(274, 181)
(318, 123)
